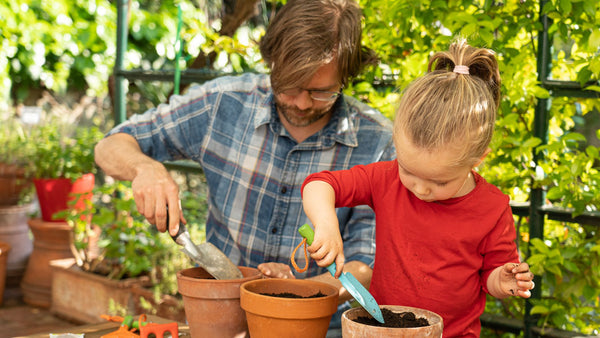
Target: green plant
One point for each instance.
(13, 137)
(58, 150)
(127, 246)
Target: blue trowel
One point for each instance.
(357, 290)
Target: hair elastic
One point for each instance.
(460, 69)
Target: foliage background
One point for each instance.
(63, 52)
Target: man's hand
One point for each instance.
(276, 270)
(154, 189)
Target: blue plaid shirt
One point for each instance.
(255, 169)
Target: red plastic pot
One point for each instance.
(54, 194)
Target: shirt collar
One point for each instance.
(339, 129)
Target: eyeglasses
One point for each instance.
(318, 95)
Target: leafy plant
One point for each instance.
(127, 245)
(58, 150)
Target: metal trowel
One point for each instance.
(206, 255)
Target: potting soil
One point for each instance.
(293, 295)
(394, 319)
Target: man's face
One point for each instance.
(297, 106)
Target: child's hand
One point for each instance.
(327, 247)
(275, 270)
(516, 280)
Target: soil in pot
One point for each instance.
(394, 319)
(293, 295)
(351, 328)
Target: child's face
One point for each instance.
(432, 176)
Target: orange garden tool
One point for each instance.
(129, 326)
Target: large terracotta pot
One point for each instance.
(212, 307)
(15, 231)
(54, 194)
(4, 249)
(352, 329)
(51, 241)
(273, 316)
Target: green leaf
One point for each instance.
(539, 309)
(540, 92)
(593, 87)
(531, 142)
(594, 39)
(574, 137)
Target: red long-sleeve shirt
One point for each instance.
(431, 255)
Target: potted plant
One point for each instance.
(62, 165)
(116, 253)
(15, 185)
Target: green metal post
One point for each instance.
(540, 130)
(120, 81)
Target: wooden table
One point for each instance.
(100, 329)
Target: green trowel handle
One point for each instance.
(307, 232)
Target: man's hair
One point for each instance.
(307, 34)
(453, 106)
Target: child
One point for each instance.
(444, 235)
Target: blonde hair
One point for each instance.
(447, 107)
(307, 34)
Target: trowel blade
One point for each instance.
(214, 261)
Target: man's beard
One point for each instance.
(306, 117)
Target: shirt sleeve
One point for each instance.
(171, 131)
(499, 247)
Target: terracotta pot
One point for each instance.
(212, 307)
(352, 329)
(54, 194)
(15, 231)
(271, 316)
(12, 183)
(4, 250)
(51, 241)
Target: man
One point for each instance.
(257, 137)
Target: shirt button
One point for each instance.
(283, 190)
(274, 230)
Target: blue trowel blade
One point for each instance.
(359, 292)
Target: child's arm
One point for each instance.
(511, 279)
(318, 200)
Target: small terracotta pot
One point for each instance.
(12, 182)
(212, 307)
(271, 316)
(4, 249)
(352, 329)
